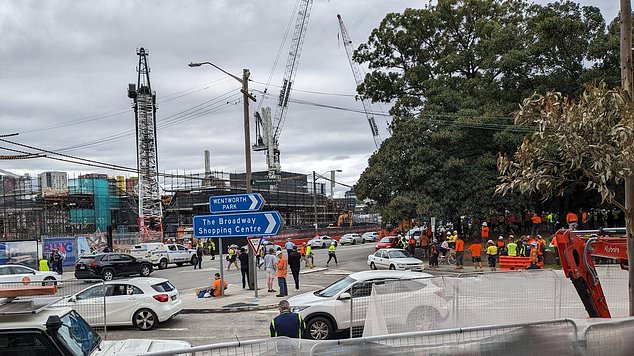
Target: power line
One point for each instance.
(305, 91)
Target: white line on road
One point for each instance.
(172, 329)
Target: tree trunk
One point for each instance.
(626, 84)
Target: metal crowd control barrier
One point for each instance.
(272, 346)
(607, 337)
(555, 337)
(90, 304)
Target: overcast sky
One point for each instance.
(69, 63)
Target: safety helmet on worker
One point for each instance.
(484, 223)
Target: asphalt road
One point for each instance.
(351, 259)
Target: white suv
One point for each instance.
(160, 254)
(352, 239)
(328, 310)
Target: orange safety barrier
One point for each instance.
(514, 262)
(27, 291)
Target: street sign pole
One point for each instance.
(255, 248)
(255, 276)
(222, 274)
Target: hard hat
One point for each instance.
(534, 244)
(448, 233)
(539, 236)
(455, 232)
(511, 237)
(500, 238)
(490, 241)
(332, 243)
(484, 223)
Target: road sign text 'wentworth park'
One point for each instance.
(263, 223)
(235, 203)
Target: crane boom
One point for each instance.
(268, 137)
(358, 78)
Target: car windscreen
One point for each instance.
(336, 287)
(399, 254)
(386, 239)
(77, 335)
(163, 287)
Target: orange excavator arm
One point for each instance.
(575, 254)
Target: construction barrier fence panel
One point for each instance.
(261, 347)
(87, 297)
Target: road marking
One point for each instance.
(210, 269)
(268, 312)
(172, 329)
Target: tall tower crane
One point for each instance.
(356, 71)
(268, 130)
(144, 104)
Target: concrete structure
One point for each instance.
(53, 183)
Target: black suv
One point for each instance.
(107, 266)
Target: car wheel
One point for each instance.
(179, 264)
(144, 319)
(162, 264)
(319, 328)
(107, 275)
(372, 266)
(353, 242)
(49, 281)
(323, 245)
(392, 267)
(145, 270)
(423, 318)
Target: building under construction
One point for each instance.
(93, 203)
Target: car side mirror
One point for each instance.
(71, 300)
(344, 296)
(33, 272)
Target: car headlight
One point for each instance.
(298, 309)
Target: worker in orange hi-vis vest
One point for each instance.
(484, 233)
(571, 220)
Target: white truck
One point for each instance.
(161, 255)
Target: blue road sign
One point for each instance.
(235, 203)
(262, 223)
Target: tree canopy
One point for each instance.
(456, 71)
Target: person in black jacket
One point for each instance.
(287, 324)
(244, 266)
(294, 261)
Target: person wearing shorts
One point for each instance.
(476, 252)
(492, 252)
(270, 265)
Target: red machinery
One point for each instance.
(576, 252)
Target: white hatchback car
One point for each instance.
(352, 239)
(394, 258)
(141, 302)
(22, 274)
(322, 241)
(326, 311)
(370, 236)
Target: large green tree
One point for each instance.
(456, 71)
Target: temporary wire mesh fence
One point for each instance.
(87, 297)
(262, 347)
(428, 303)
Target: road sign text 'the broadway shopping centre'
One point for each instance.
(264, 223)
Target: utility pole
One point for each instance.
(626, 84)
(253, 283)
(315, 198)
(332, 184)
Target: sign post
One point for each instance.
(222, 274)
(255, 243)
(235, 216)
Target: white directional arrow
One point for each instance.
(272, 223)
(254, 202)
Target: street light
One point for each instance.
(247, 155)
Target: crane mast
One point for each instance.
(356, 72)
(144, 104)
(268, 130)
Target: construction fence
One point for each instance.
(87, 297)
(429, 303)
(597, 337)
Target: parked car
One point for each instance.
(108, 266)
(370, 236)
(322, 241)
(394, 259)
(161, 255)
(328, 310)
(140, 302)
(386, 242)
(24, 274)
(352, 239)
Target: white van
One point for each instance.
(160, 254)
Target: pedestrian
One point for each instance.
(282, 270)
(332, 253)
(244, 267)
(476, 255)
(294, 261)
(289, 246)
(484, 232)
(199, 256)
(270, 265)
(232, 258)
(310, 258)
(553, 244)
(511, 247)
(215, 289)
(541, 248)
(492, 252)
(533, 259)
(411, 245)
(424, 244)
(287, 324)
(571, 220)
(44, 265)
(521, 248)
(502, 251)
(212, 249)
(537, 222)
(433, 254)
(459, 252)
(259, 258)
